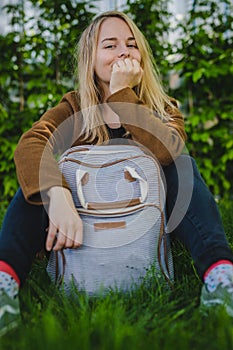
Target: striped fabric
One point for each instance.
(119, 194)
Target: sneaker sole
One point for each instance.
(9, 309)
(211, 303)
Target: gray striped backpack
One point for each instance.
(119, 194)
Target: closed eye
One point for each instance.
(133, 45)
(109, 46)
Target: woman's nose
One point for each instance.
(124, 52)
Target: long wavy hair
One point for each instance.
(150, 90)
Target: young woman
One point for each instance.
(116, 71)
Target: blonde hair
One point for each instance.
(149, 91)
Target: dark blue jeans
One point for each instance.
(199, 225)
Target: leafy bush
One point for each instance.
(201, 57)
(36, 70)
(206, 70)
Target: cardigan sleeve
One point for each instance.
(165, 139)
(36, 165)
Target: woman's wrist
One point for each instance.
(113, 90)
(57, 189)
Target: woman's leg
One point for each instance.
(22, 235)
(196, 216)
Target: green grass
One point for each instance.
(152, 317)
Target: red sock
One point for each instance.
(4, 267)
(220, 262)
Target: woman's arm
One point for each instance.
(36, 166)
(40, 177)
(165, 140)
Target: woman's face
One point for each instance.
(115, 42)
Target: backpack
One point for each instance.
(119, 194)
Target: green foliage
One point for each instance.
(36, 69)
(153, 19)
(206, 71)
(202, 57)
(152, 317)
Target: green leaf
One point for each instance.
(198, 74)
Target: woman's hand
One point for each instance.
(65, 226)
(125, 73)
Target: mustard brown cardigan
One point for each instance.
(60, 128)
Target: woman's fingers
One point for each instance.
(62, 241)
(126, 64)
(125, 73)
(65, 225)
(51, 237)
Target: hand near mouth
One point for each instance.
(125, 73)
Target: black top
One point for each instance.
(117, 133)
